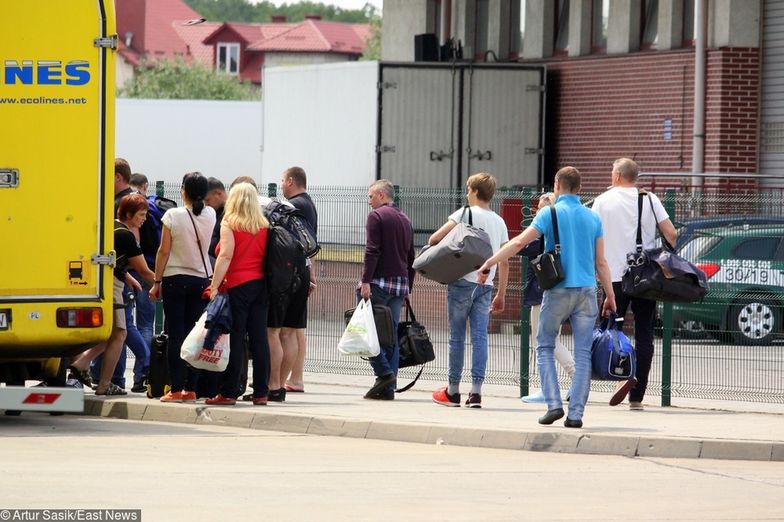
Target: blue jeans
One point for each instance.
(387, 360)
(468, 302)
(578, 305)
(145, 313)
(183, 305)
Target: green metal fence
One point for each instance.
(691, 360)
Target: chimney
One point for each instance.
(128, 39)
(312, 17)
(278, 19)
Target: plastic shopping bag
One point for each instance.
(360, 337)
(194, 353)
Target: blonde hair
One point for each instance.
(484, 184)
(243, 212)
(548, 198)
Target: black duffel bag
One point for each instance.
(415, 345)
(659, 274)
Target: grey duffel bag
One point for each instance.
(464, 249)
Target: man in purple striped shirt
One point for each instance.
(387, 276)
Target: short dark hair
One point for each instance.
(137, 179)
(569, 178)
(298, 175)
(215, 184)
(244, 179)
(130, 205)
(122, 168)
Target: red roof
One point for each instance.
(194, 36)
(150, 22)
(316, 36)
(249, 33)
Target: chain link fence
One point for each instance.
(737, 356)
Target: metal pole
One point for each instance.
(698, 145)
(525, 311)
(666, 386)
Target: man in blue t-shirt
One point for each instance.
(574, 298)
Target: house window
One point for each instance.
(650, 24)
(562, 28)
(228, 58)
(601, 10)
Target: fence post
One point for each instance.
(272, 190)
(666, 380)
(159, 190)
(525, 311)
(397, 195)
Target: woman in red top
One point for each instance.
(239, 271)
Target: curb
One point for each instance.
(560, 440)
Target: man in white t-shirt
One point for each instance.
(469, 301)
(618, 210)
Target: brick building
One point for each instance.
(621, 75)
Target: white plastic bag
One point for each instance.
(360, 336)
(194, 353)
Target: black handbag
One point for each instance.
(547, 266)
(382, 316)
(659, 274)
(415, 345)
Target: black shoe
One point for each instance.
(278, 395)
(551, 416)
(139, 387)
(387, 395)
(380, 385)
(573, 423)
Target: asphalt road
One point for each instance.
(193, 473)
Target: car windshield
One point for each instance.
(698, 246)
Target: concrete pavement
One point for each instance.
(333, 405)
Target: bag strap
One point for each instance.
(470, 215)
(198, 241)
(410, 311)
(412, 383)
(554, 215)
(638, 243)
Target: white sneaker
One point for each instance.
(537, 398)
(636, 406)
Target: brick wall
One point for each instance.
(601, 108)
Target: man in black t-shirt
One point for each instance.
(290, 320)
(216, 198)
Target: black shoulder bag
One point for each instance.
(547, 267)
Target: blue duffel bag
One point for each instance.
(612, 354)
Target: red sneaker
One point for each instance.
(172, 397)
(442, 397)
(260, 401)
(220, 400)
(188, 396)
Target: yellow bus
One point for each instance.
(57, 69)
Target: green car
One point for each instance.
(745, 269)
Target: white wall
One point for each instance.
(323, 119)
(165, 139)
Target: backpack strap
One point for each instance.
(470, 215)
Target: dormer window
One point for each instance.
(228, 59)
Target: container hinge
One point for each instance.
(385, 148)
(387, 85)
(534, 88)
(109, 42)
(9, 178)
(107, 259)
(532, 150)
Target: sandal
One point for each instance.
(112, 389)
(83, 376)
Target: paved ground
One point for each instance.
(193, 473)
(333, 405)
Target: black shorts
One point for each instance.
(290, 311)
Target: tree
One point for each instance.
(181, 80)
(244, 11)
(373, 44)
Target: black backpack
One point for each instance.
(292, 219)
(284, 262)
(150, 231)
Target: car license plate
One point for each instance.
(5, 319)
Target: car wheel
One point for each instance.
(755, 321)
(692, 330)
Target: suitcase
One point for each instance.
(464, 249)
(158, 381)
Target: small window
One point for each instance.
(650, 24)
(689, 21)
(228, 58)
(562, 28)
(757, 248)
(601, 10)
